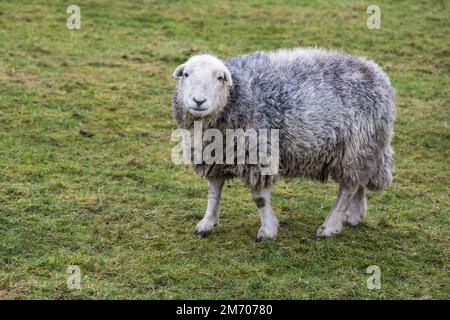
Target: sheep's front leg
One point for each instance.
(211, 218)
(269, 223)
(335, 221)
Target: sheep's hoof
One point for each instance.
(325, 232)
(353, 221)
(205, 227)
(202, 234)
(260, 239)
(266, 234)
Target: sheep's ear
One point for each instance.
(178, 71)
(227, 77)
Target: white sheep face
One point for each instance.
(203, 85)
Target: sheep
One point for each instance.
(334, 113)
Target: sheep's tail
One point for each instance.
(383, 175)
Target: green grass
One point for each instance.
(114, 203)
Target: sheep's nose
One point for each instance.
(199, 102)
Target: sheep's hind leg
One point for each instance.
(269, 223)
(357, 209)
(335, 221)
(211, 218)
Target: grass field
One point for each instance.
(86, 177)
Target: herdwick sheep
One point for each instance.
(334, 114)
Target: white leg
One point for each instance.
(211, 218)
(335, 221)
(357, 209)
(269, 223)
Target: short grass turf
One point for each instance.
(86, 177)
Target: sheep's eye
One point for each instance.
(221, 78)
(185, 75)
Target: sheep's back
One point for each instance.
(329, 107)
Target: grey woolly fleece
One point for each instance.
(334, 112)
